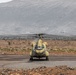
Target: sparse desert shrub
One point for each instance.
(9, 43)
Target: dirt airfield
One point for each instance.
(15, 53)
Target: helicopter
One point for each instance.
(39, 48)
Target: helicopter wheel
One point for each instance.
(47, 58)
(31, 58)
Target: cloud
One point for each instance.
(4, 1)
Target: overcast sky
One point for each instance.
(38, 16)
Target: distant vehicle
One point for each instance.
(39, 49)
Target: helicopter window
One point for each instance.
(42, 46)
(36, 47)
(39, 47)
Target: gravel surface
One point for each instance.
(58, 70)
(22, 61)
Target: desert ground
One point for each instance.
(61, 47)
(58, 70)
(14, 58)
